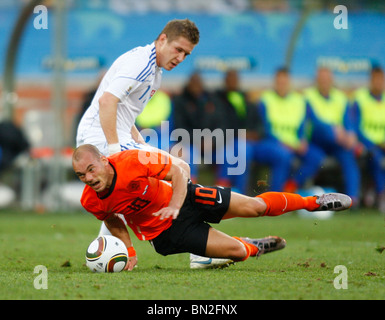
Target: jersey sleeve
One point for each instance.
(100, 215)
(90, 204)
(156, 164)
(127, 77)
(122, 85)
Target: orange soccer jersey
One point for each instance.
(136, 192)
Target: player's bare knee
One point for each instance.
(260, 206)
(237, 252)
(256, 207)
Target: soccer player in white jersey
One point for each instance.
(131, 81)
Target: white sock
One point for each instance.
(104, 230)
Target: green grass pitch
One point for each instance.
(303, 270)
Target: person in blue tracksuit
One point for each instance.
(369, 116)
(284, 114)
(238, 116)
(332, 128)
(194, 109)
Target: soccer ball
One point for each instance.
(106, 254)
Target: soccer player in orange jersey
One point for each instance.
(161, 205)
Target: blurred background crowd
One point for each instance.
(309, 95)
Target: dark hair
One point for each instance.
(283, 69)
(376, 69)
(181, 28)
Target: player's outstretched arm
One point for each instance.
(119, 230)
(137, 136)
(108, 106)
(179, 180)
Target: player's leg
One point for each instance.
(269, 203)
(221, 245)
(278, 203)
(212, 203)
(104, 230)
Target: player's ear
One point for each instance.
(104, 160)
(162, 38)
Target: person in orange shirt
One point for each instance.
(160, 204)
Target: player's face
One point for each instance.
(377, 82)
(282, 83)
(324, 80)
(232, 81)
(93, 171)
(170, 54)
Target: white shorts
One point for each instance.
(95, 136)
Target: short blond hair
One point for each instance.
(181, 28)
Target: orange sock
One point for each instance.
(251, 250)
(281, 202)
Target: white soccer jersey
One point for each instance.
(133, 78)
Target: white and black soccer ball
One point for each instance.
(106, 254)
